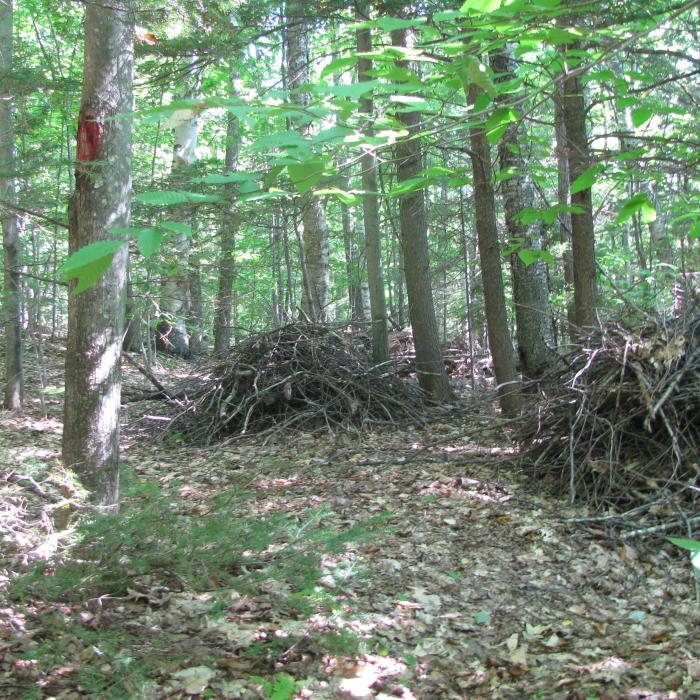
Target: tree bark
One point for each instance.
(315, 228)
(14, 374)
(582, 233)
(530, 292)
(414, 241)
(563, 199)
(172, 332)
(500, 345)
(229, 226)
(370, 208)
(352, 261)
(195, 315)
(100, 202)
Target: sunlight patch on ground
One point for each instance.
(370, 672)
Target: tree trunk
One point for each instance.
(100, 202)
(582, 240)
(229, 226)
(315, 228)
(500, 345)
(133, 337)
(352, 262)
(530, 293)
(172, 332)
(414, 241)
(14, 375)
(466, 257)
(563, 200)
(370, 208)
(195, 315)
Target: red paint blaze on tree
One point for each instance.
(89, 137)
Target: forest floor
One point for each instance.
(399, 564)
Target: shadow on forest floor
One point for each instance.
(402, 564)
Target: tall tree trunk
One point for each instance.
(315, 228)
(195, 311)
(173, 335)
(530, 293)
(132, 333)
(14, 376)
(466, 257)
(563, 200)
(582, 240)
(414, 241)
(370, 207)
(229, 226)
(500, 345)
(100, 202)
(290, 299)
(352, 266)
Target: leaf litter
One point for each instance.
(473, 585)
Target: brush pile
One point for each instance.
(620, 425)
(302, 375)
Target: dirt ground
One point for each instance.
(465, 580)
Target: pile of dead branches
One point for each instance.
(302, 376)
(620, 424)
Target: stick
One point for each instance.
(149, 375)
(658, 528)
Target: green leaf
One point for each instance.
(219, 179)
(530, 256)
(641, 115)
(348, 198)
(89, 263)
(353, 90)
(262, 195)
(415, 100)
(282, 139)
(471, 70)
(494, 136)
(410, 185)
(561, 36)
(306, 175)
(177, 227)
(446, 16)
(482, 618)
(149, 241)
(170, 197)
(248, 187)
(498, 122)
(482, 102)
(684, 543)
(695, 230)
(623, 102)
(272, 176)
(639, 203)
(586, 179)
(480, 7)
(632, 154)
(338, 64)
(389, 24)
(528, 216)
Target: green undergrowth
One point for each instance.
(161, 544)
(158, 539)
